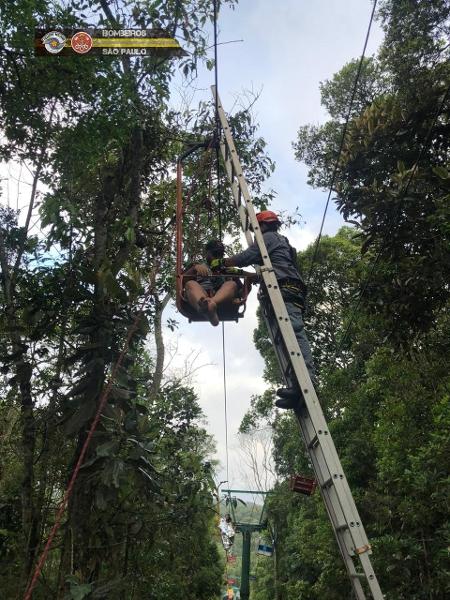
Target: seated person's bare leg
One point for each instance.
(224, 294)
(194, 293)
(209, 306)
(198, 299)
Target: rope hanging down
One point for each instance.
(219, 204)
(341, 146)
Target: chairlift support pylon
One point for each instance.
(247, 529)
(345, 520)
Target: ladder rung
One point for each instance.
(312, 444)
(341, 527)
(358, 575)
(328, 482)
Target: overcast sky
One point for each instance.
(288, 48)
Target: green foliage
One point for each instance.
(388, 414)
(386, 389)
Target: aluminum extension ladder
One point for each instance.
(348, 529)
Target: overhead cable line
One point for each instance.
(402, 196)
(219, 205)
(341, 145)
(217, 122)
(225, 399)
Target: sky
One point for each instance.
(288, 48)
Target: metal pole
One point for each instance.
(245, 573)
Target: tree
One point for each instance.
(378, 320)
(387, 412)
(104, 144)
(392, 179)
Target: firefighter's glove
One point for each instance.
(217, 263)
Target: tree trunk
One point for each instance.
(124, 184)
(160, 350)
(23, 373)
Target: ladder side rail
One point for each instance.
(270, 280)
(371, 578)
(287, 331)
(284, 320)
(359, 539)
(238, 173)
(339, 526)
(236, 193)
(342, 535)
(315, 413)
(353, 574)
(321, 468)
(326, 455)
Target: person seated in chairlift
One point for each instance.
(231, 532)
(209, 287)
(227, 531)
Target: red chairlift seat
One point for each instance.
(232, 311)
(302, 485)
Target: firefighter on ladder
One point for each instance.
(292, 288)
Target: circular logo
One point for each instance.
(54, 41)
(81, 42)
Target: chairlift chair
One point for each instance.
(302, 485)
(226, 312)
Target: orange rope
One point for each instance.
(101, 405)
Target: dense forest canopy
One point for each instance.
(100, 140)
(378, 321)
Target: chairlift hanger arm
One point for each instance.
(193, 148)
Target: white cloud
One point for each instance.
(300, 238)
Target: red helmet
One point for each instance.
(267, 216)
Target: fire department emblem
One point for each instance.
(54, 41)
(81, 42)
